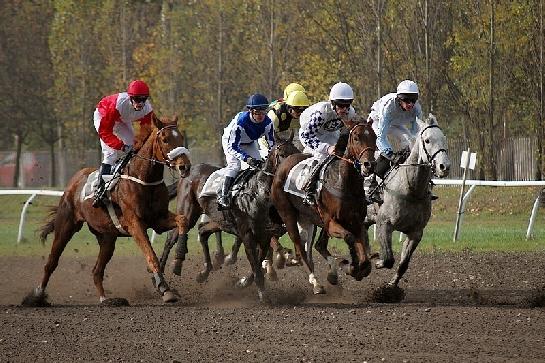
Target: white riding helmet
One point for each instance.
(406, 87)
(341, 91)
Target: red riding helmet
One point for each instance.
(138, 88)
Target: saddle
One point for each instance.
(91, 184)
(300, 174)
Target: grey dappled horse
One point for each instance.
(407, 196)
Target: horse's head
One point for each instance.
(433, 148)
(361, 146)
(168, 145)
(281, 151)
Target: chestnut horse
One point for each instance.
(340, 208)
(214, 222)
(139, 200)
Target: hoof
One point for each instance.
(177, 267)
(219, 259)
(280, 260)
(244, 282)
(115, 301)
(35, 301)
(170, 296)
(272, 276)
(318, 290)
(333, 278)
(294, 262)
(230, 259)
(202, 277)
(374, 256)
(384, 264)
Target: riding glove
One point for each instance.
(254, 163)
(127, 149)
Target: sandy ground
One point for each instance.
(457, 307)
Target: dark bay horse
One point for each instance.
(248, 218)
(139, 200)
(340, 209)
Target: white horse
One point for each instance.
(407, 196)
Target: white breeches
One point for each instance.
(234, 164)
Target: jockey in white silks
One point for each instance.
(320, 129)
(394, 120)
(239, 142)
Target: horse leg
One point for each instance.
(268, 265)
(179, 257)
(384, 236)
(255, 262)
(321, 247)
(409, 245)
(305, 232)
(172, 236)
(202, 276)
(63, 231)
(231, 258)
(139, 234)
(360, 267)
(219, 256)
(107, 246)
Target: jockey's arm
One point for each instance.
(233, 146)
(384, 124)
(309, 136)
(106, 131)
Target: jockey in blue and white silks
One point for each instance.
(394, 116)
(239, 142)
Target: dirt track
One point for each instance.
(457, 307)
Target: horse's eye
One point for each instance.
(427, 141)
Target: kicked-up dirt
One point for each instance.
(455, 307)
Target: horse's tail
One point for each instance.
(50, 224)
(172, 190)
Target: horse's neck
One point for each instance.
(412, 179)
(341, 175)
(144, 169)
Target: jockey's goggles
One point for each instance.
(139, 99)
(408, 99)
(258, 111)
(298, 109)
(342, 104)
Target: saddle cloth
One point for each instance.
(88, 190)
(299, 175)
(213, 184)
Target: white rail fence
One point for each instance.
(472, 183)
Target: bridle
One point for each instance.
(432, 156)
(355, 160)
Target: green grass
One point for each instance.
(496, 219)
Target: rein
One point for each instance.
(354, 160)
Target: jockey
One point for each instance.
(285, 115)
(113, 120)
(320, 129)
(239, 142)
(394, 117)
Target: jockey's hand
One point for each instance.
(388, 155)
(254, 163)
(127, 149)
(331, 150)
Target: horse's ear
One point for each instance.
(292, 133)
(432, 120)
(156, 121)
(175, 119)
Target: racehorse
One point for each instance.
(247, 219)
(407, 196)
(139, 201)
(339, 209)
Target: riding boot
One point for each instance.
(310, 186)
(105, 169)
(373, 191)
(224, 198)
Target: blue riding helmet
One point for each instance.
(257, 102)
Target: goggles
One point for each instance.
(139, 99)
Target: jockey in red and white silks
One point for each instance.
(113, 120)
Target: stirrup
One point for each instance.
(434, 197)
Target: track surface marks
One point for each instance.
(479, 307)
